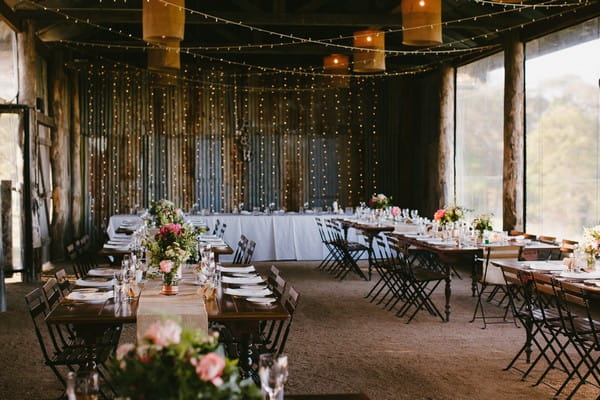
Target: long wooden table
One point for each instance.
(118, 254)
(450, 256)
(90, 321)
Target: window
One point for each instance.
(479, 136)
(562, 131)
(9, 82)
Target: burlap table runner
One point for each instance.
(186, 307)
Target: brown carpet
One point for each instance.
(340, 343)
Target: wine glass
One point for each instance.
(273, 372)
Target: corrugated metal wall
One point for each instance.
(304, 142)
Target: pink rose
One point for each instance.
(209, 368)
(395, 211)
(170, 228)
(163, 334)
(439, 214)
(124, 349)
(166, 266)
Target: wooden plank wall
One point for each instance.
(305, 142)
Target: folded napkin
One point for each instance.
(247, 269)
(208, 237)
(245, 212)
(247, 292)
(116, 247)
(239, 280)
(93, 297)
(104, 272)
(94, 283)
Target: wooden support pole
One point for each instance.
(445, 173)
(60, 149)
(76, 175)
(514, 123)
(6, 223)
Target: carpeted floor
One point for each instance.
(340, 343)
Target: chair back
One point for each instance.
(222, 231)
(241, 250)
(567, 247)
(571, 298)
(291, 303)
(277, 285)
(63, 281)
(216, 228)
(529, 236)
(274, 271)
(321, 230)
(493, 274)
(38, 309)
(547, 239)
(52, 292)
(515, 233)
(72, 251)
(249, 252)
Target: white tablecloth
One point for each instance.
(277, 237)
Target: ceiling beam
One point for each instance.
(9, 16)
(134, 16)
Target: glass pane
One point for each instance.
(479, 136)
(8, 64)
(563, 134)
(11, 169)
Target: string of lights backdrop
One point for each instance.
(218, 146)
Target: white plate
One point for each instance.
(86, 290)
(242, 281)
(253, 287)
(546, 266)
(581, 275)
(94, 297)
(235, 270)
(261, 300)
(104, 272)
(95, 284)
(247, 292)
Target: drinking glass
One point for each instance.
(273, 372)
(83, 385)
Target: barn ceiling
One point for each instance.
(471, 28)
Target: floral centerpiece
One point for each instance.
(380, 201)
(591, 244)
(170, 247)
(163, 211)
(482, 223)
(449, 214)
(175, 363)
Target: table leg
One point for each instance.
(474, 278)
(448, 293)
(370, 250)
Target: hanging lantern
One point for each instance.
(162, 21)
(422, 22)
(163, 24)
(336, 64)
(369, 61)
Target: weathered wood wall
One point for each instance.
(220, 140)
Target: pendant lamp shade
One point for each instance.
(369, 61)
(162, 21)
(422, 22)
(336, 64)
(163, 24)
(164, 59)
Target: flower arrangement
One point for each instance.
(591, 242)
(171, 246)
(483, 223)
(163, 211)
(175, 363)
(380, 201)
(449, 214)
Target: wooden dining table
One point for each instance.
(90, 321)
(118, 254)
(449, 256)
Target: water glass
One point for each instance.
(273, 373)
(83, 385)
